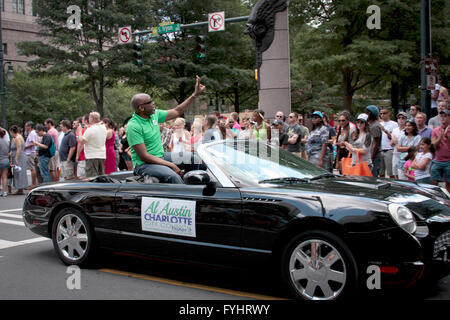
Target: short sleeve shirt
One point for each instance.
(376, 132)
(69, 141)
(443, 149)
(294, 130)
(389, 126)
(315, 141)
(47, 140)
(54, 134)
(146, 131)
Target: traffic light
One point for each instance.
(200, 49)
(137, 47)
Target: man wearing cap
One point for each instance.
(376, 133)
(397, 133)
(440, 166)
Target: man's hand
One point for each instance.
(199, 88)
(177, 170)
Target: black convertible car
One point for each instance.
(254, 205)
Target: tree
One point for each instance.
(335, 46)
(91, 51)
(169, 60)
(37, 98)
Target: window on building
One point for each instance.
(5, 48)
(18, 6)
(3, 5)
(21, 6)
(33, 9)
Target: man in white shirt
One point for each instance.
(30, 151)
(386, 149)
(397, 133)
(94, 140)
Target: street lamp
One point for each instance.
(10, 76)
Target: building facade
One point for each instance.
(18, 24)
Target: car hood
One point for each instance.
(425, 202)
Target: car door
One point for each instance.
(203, 228)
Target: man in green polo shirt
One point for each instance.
(144, 137)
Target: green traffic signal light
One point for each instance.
(137, 47)
(200, 48)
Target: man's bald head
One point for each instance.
(139, 99)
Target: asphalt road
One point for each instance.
(31, 270)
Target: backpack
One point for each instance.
(52, 148)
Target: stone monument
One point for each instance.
(268, 26)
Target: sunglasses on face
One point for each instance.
(342, 120)
(148, 102)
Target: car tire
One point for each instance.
(73, 237)
(318, 265)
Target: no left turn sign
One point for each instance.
(124, 35)
(216, 21)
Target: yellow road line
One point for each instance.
(191, 285)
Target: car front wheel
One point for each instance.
(72, 237)
(318, 265)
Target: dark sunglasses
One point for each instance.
(342, 120)
(148, 102)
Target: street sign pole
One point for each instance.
(425, 96)
(194, 25)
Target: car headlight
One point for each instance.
(403, 217)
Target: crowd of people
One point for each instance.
(408, 148)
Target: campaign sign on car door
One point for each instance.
(168, 216)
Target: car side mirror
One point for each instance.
(197, 177)
(210, 189)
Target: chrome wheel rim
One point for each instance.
(317, 270)
(72, 237)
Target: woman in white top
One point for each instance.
(181, 138)
(362, 140)
(422, 162)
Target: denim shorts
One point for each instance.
(4, 165)
(440, 170)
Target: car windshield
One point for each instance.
(255, 162)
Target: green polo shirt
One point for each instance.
(146, 131)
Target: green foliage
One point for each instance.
(338, 61)
(170, 63)
(92, 51)
(36, 98)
